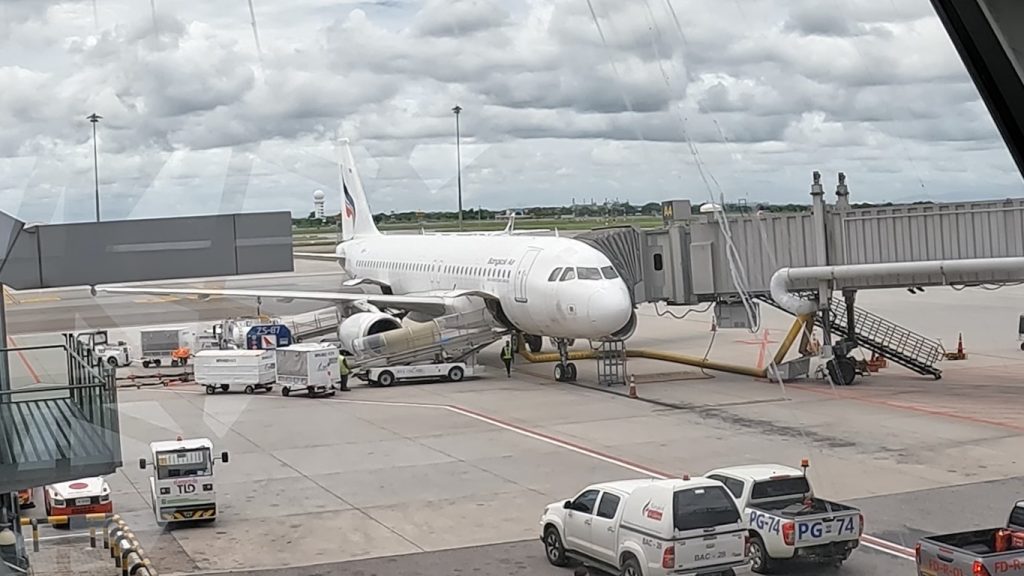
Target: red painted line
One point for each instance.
(877, 542)
(556, 440)
(910, 408)
(28, 366)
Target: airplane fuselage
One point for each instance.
(527, 275)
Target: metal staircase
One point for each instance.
(896, 343)
(611, 363)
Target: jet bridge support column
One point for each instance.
(821, 248)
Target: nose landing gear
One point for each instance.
(565, 371)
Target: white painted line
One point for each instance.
(869, 541)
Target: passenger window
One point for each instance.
(609, 505)
(588, 273)
(554, 274)
(585, 502)
(569, 274)
(609, 273)
(658, 265)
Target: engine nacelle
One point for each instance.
(364, 324)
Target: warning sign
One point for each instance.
(267, 342)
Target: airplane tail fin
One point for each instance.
(356, 218)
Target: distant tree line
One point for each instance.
(603, 210)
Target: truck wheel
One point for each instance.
(631, 568)
(249, 389)
(145, 363)
(156, 363)
(112, 361)
(760, 563)
(386, 378)
(553, 548)
(210, 389)
(455, 374)
(285, 391)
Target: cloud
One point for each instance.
(561, 99)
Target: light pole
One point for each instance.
(458, 155)
(95, 118)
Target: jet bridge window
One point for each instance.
(609, 273)
(554, 274)
(588, 273)
(569, 274)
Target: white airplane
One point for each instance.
(538, 286)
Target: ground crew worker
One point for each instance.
(506, 357)
(343, 369)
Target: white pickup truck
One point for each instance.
(648, 528)
(977, 552)
(786, 521)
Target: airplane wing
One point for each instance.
(432, 305)
(329, 256)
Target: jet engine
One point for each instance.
(364, 324)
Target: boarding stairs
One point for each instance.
(896, 343)
(611, 363)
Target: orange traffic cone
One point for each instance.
(632, 386)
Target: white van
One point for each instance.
(687, 526)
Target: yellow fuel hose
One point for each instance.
(780, 354)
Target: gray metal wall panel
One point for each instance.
(764, 244)
(22, 265)
(910, 233)
(263, 241)
(152, 249)
(137, 250)
(703, 267)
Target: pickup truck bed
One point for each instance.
(960, 551)
(795, 508)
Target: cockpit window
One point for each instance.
(588, 273)
(569, 274)
(609, 273)
(554, 275)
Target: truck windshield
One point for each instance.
(780, 488)
(183, 464)
(703, 508)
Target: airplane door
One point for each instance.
(523, 272)
(435, 274)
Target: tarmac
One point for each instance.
(446, 478)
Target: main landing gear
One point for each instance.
(565, 371)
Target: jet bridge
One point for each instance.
(696, 258)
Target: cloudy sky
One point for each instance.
(639, 100)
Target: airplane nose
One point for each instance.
(609, 309)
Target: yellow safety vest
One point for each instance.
(506, 352)
(343, 364)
